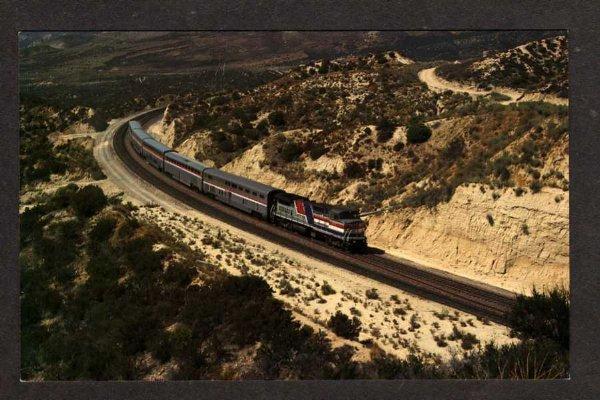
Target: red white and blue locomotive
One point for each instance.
(337, 225)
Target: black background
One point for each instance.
(580, 18)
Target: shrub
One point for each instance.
(263, 127)
(490, 219)
(375, 163)
(102, 229)
(354, 170)
(500, 167)
(290, 151)
(454, 149)
(542, 316)
(385, 130)
(317, 151)
(286, 288)
(398, 146)
(88, 201)
(326, 289)
(535, 186)
(417, 132)
(499, 96)
(276, 118)
(345, 327)
(64, 196)
(541, 359)
(372, 294)
(399, 311)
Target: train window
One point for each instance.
(254, 193)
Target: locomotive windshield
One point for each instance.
(348, 214)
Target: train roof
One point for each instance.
(289, 197)
(135, 125)
(141, 134)
(239, 180)
(186, 160)
(157, 146)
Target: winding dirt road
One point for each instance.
(438, 84)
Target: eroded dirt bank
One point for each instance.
(514, 242)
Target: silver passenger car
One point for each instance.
(137, 135)
(154, 152)
(185, 170)
(242, 193)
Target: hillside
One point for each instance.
(363, 130)
(537, 66)
(120, 282)
(80, 56)
(134, 69)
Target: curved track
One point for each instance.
(473, 297)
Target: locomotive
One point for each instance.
(337, 225)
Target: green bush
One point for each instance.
(354, 170)
(417, 132)
(535, 186)
(343, 326)
(398, 146)
(277, 119)
(88, 200)
(102, 229)
(454, 149)
(317, 151)
(326, 289)
(64, 196)
(385, 130)
(531, 359)
(542, 316)
(290, 151)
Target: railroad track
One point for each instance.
(457, 292)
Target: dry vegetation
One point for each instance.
(364, 130)
(165, 309)
(538, 66)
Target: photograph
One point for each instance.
(294, 205)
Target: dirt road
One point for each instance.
(439, 84)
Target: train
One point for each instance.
(339, 226)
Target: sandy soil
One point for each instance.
(397, 321)
(439, 84)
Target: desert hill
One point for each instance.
(363, 130)
(539, 66)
